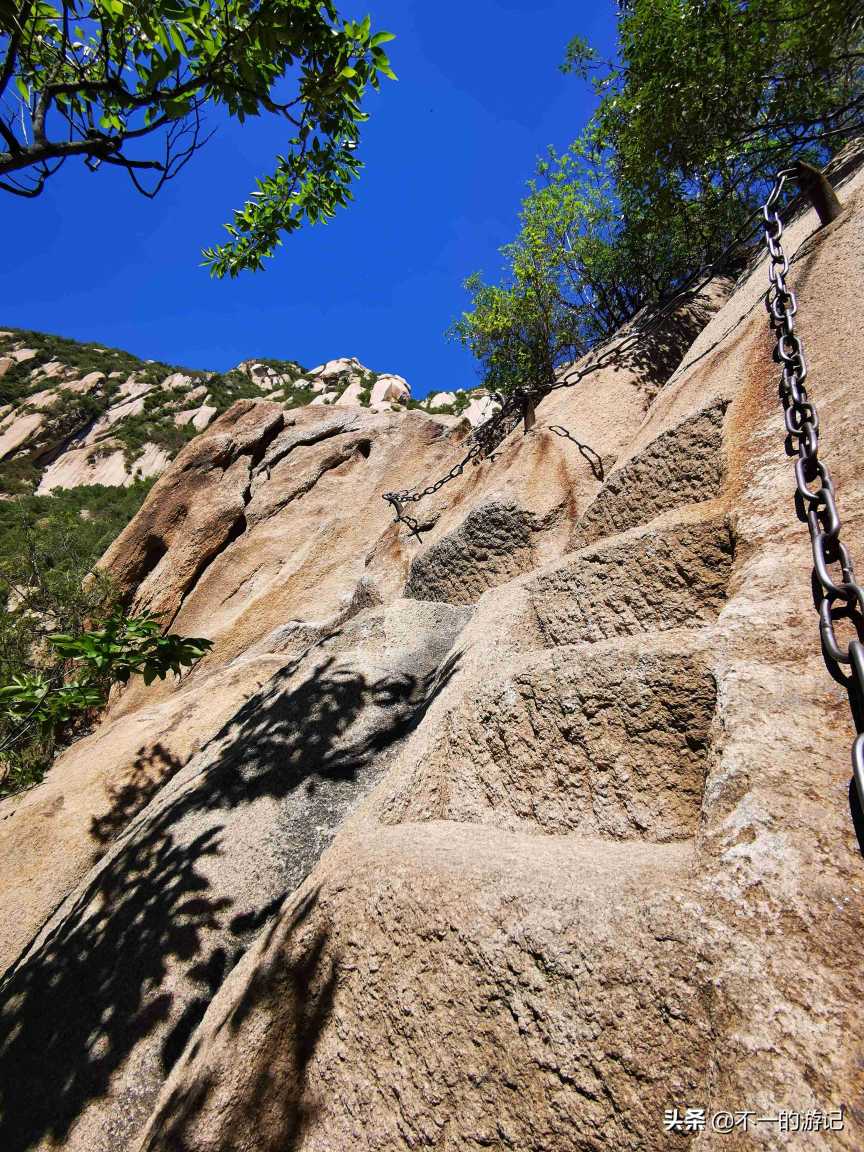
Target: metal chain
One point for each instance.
(487, 437)
(594, 459)
(836, 597)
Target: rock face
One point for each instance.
(511, 836)
(102, 442)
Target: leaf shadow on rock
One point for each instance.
(93, 986)
(152, 768)
(72, 1009)
(299, 979)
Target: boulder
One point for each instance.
(177, 380)
(105, 464)
(18, 430)
(199, 418)
(203, 417)
(152, 461)
(52, 368)
(132, 388)
(441, 400)
(480, 409)
(389, 388)
(350, 398)
(91, 380)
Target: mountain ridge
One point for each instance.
(76, 413)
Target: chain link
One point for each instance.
(594, 459)
(838, 596)
(487, 437)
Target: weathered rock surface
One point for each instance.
(96, 451)
(491, 546)
(510, 837)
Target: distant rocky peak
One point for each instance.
(74, 413)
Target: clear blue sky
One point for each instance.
(447, 152)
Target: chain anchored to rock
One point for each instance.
(484, 440)
(585, 451)
(836, 597)
(521, 404)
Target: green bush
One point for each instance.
(18, 476)
(39, 704)
(73, 412)
(49, 588)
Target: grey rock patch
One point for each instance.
(669, 578)
(491, 546)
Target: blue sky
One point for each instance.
(447, 152)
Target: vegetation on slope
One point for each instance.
(83, 358)
(48, 546)
(71, 414)
(50, 687)
(705, 100)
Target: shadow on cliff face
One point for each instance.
(76, 1006)
(275, 1103)
(152, 768)
(93, 989)
(658, 353)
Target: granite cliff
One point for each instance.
(509, 835)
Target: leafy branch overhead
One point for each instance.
(704, 100)
(127, 84)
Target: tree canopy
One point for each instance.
(127, 83)
(705, 99)
(709, 93)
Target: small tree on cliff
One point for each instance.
(126, 83)
(519, 331)
(64, 637)
(704, 101)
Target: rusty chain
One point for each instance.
(487, 436)
(836, 597)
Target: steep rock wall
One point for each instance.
(509, 838)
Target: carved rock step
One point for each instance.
(665, 577)
(491, 546)
(684, 465)
(451, 987)
(607, 740)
